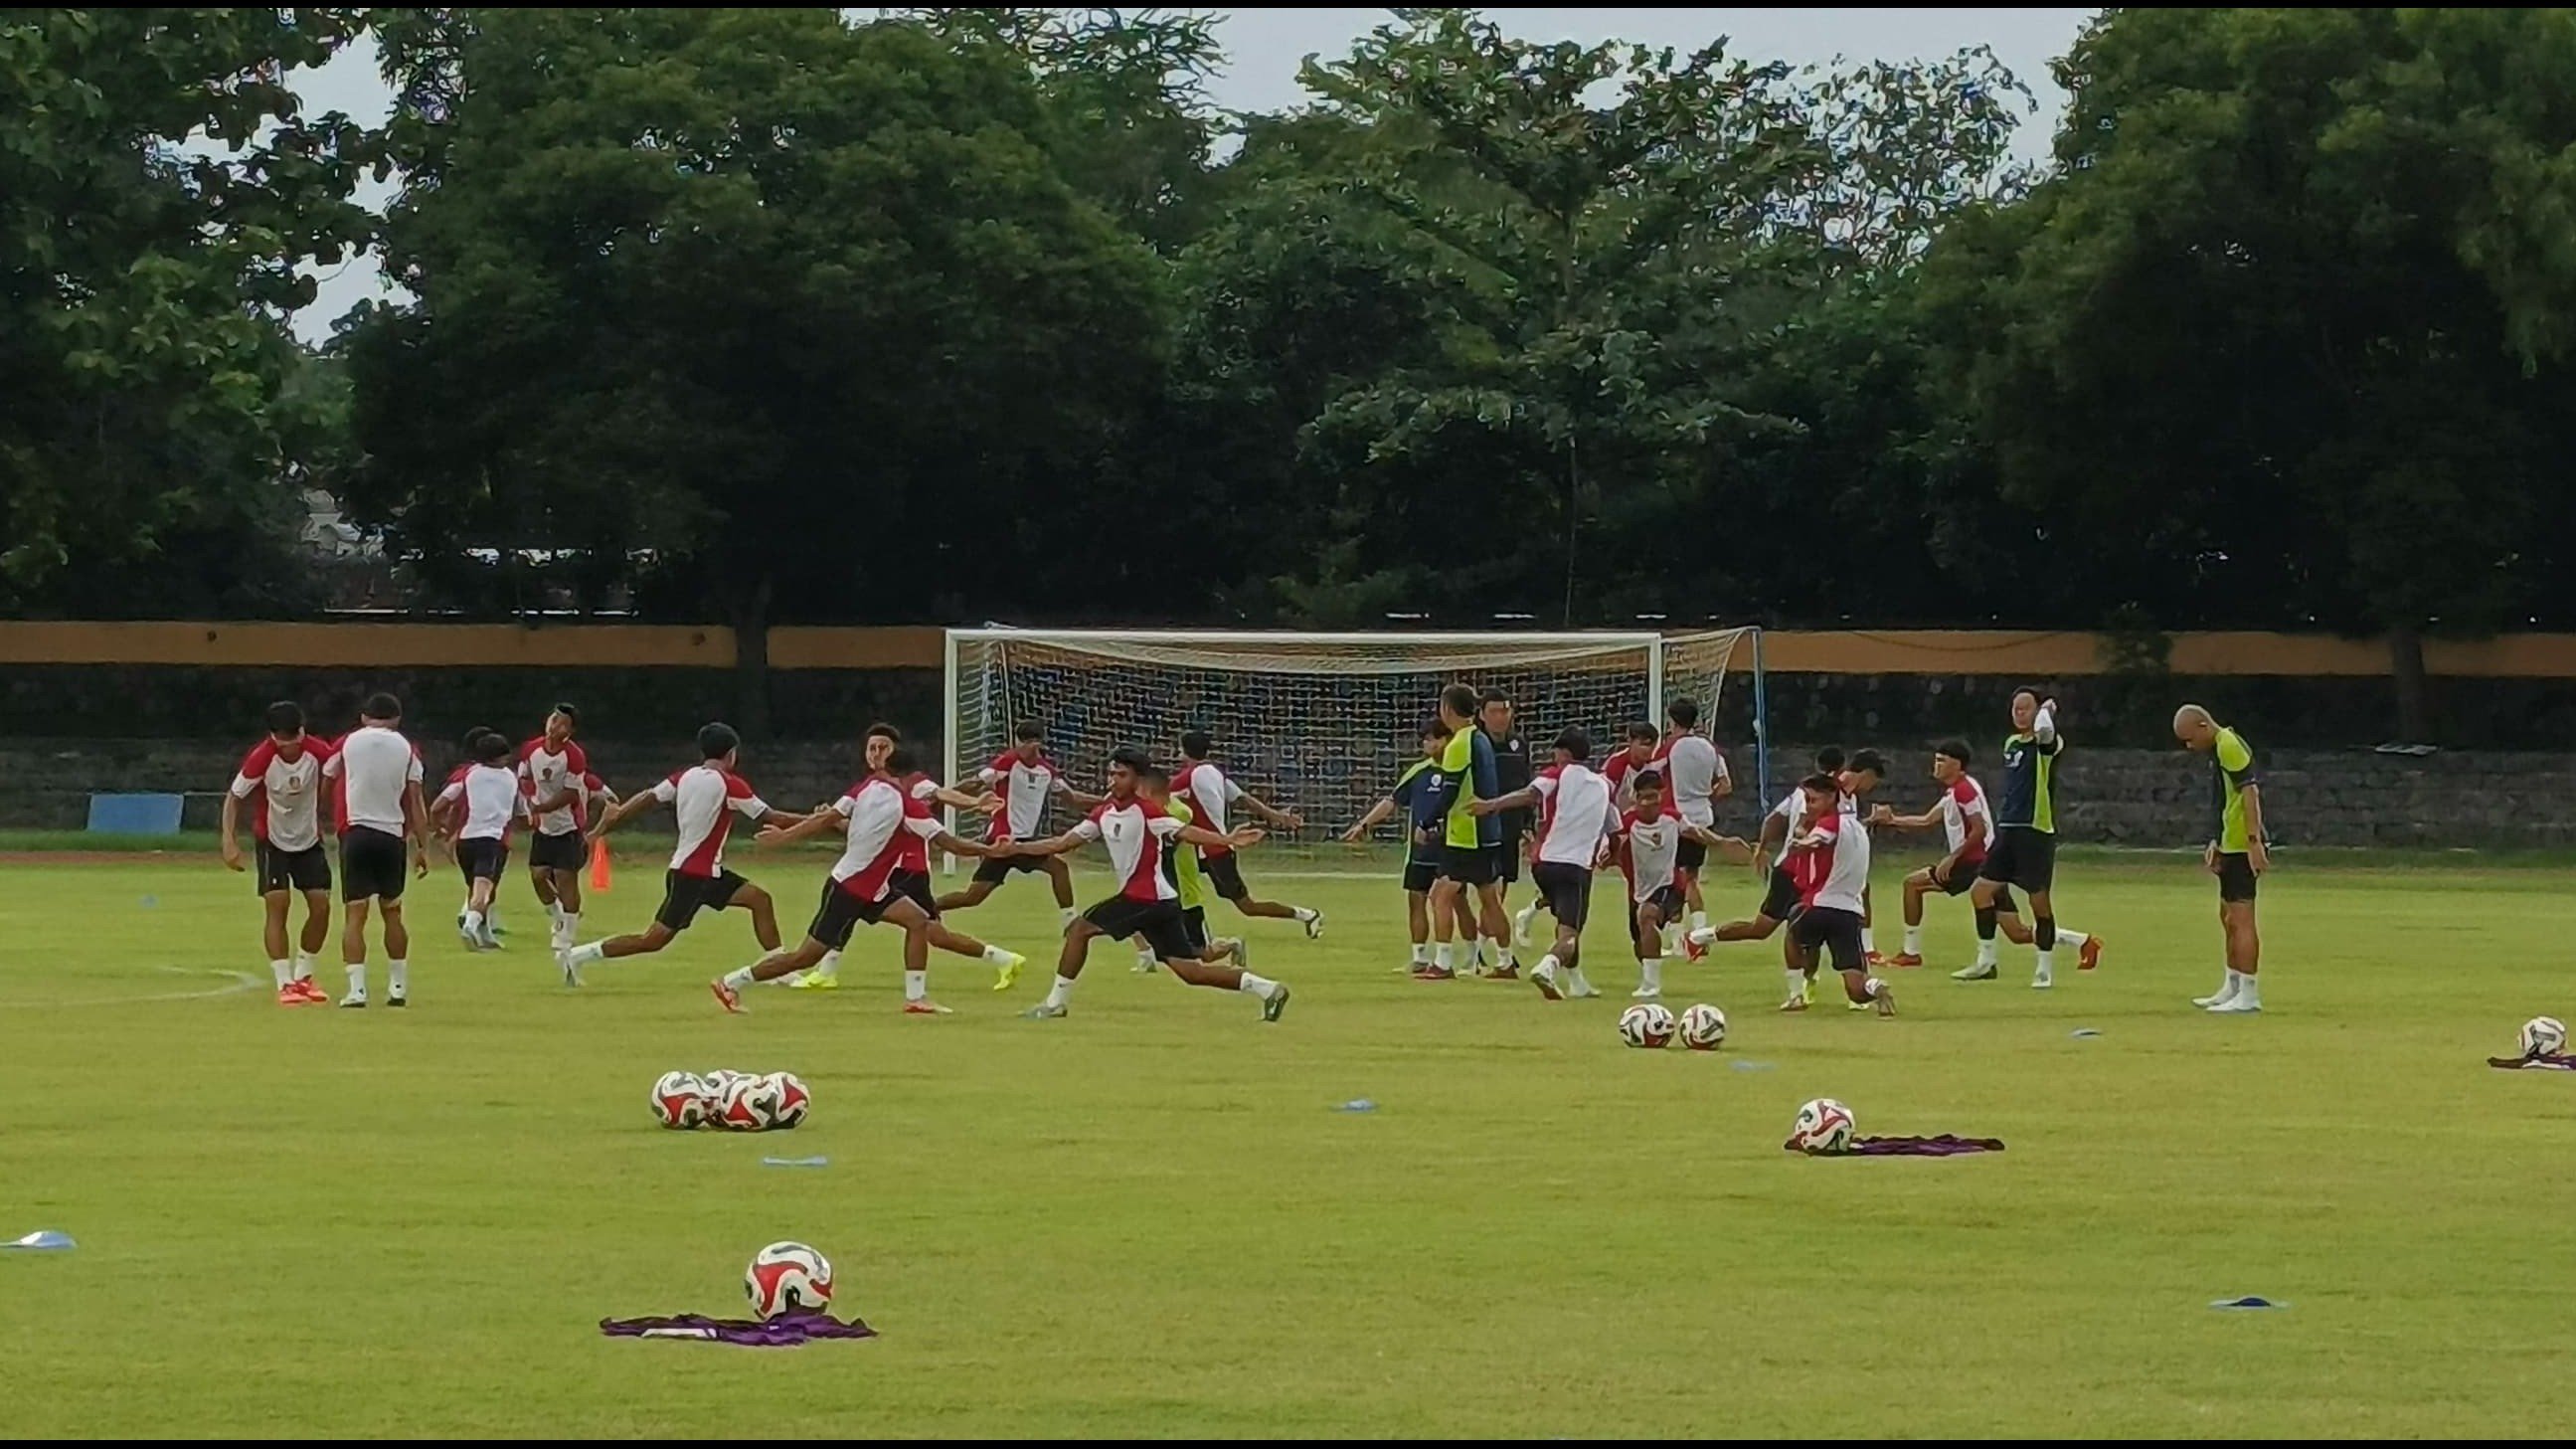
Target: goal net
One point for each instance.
(1322, 723)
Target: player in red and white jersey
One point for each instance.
(1136, 832)
(1650, 834)
(375, 774)
(878, 747)
(446, 817)
(886, 829)
(556, 774)
(1576, 817)
(1642, 748)
(1780, 895)
(482, 803)
(1695, 779)
(704, 798)
(1829, 862)
(282, 777)
(1212, 796)
(1968, 827)
(1025, 781)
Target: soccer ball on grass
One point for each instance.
(681, 1099)
(1824, 1125)
(1646, 1024)
(787, 1097)
(746, 1104)
(1703, 1028)
(2543, 1036)
(788, 1278)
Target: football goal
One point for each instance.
(1323, 723)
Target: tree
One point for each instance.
(756, 308)
(159, 186)
(2290, 324)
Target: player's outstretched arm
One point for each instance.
(959, 799)
(1080, 800)
(621, 812)
(1526, 799)
(1284, 819)
(1733, 848)
(1884, 815)
(1236, 840)
(779, 828)
(1375, 817)
(2043, 727)
(956, 845)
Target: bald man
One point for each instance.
(2236, 852)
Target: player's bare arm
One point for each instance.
(232, 831)
(1375, 817)
(619, 813)
(778, 828)
(1284, 819)
(1733, 848)
(1525, 799)
(2258, 855)
(1236, 840)
(416, 825)
(1886, 815)
(954, 845)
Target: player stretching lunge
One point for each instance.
(880, 747)
(1620, 770)
(1650, 837)
(1967, 825)
(377, 774)
(704, 798)
(1415, 796)
(1181, 868)
(1576, 817)
(1780, 893)
(485, 800)
(882, 876)
(2237, 852)
(1025, 779)
(1136, 833)
(1830, 862)
(285, 772)
(1212, 796)
(2025, 849)
(558, 779)
(1695, 779)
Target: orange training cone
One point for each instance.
(599, 866)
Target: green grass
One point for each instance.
(1146, 1220)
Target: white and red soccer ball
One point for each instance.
(731, 1101)
(681, 1099)
(1824, 1125)
(1703, 1027)
(2543, 1036)
(788, 1278)
(1647, 1024)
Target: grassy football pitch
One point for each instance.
(1147, 1219)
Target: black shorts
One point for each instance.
(1224, 873)
(481, 857)
(371, 865)
(555, 852)
(2235, 876)
(1963, 878)
(683, 896)
(1689, 856)
(1159, 922)
(1507, 860)
(914, 886)
(1421, 869)
(277, 870)
(1836, 930)
(1668, 904)
(992, 870)
(1194, 921)
(1468, 865)
(1567, 889)
(1780, 901)
(2022, 856)
(840, 914)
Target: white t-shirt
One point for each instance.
(1692, 768)
(1025, 786)
(288, 815)
(705, 798)
(492, 801)
(1834, 868)
(374, 766)
(1577, 803)
(1963, 801)
(1654, 852)
(1208, 792)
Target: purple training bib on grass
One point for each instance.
(785, 1331)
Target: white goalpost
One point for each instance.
(1322, 723)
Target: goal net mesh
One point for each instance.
(1317, 724)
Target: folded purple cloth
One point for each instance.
(1944, 1145)
(784, 1331)
(2546, 1062)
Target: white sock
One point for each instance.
(1546, 968)
(567, 925)
(1503, 955)
(1650, 973)
(492, 915)
(1065, 915)
(2075, 939)
(303, 965)
(996, 956)
(278, 969)
(1525, 915)
(1868, 942)
(738, 978)
(1146, 958)
(830, 965)
(358, 979)
(1301, 913)
(2047, 966)
(1261, 986)
(916, 986)
(397, 976)
(1445, 956)
(474, 923)
(584, 955)
(1797, 981)
(1061, 992)
(1872, 987)
(1574, 979)
(1914, 940)
(1421, 953)
(1702, 935)
(1699, 920)
(2248, 990)
(1476, 953)
(1986, 952)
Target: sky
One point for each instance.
(1264, 47)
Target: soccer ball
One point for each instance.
(721, 1078)
(1703, 1028)
(2543, 1036)
(1824, 1125)
(747, 1104)
(681, 1099)
(789, 1099)
(788, 1278)
(1646, 1024)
